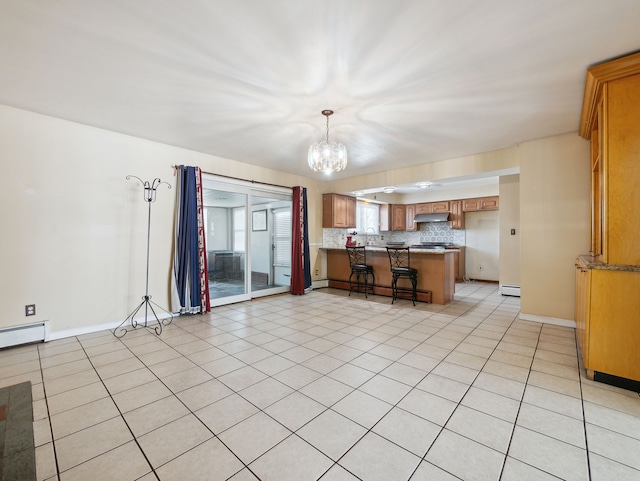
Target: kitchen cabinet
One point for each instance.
(338, 211)
(398, 217)
(608, 280)
(481, 203)
(393, 217)
(611, 120)
(457, 215)
(607, 306)
(432, 207)
(411, 214)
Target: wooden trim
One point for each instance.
(597, 76)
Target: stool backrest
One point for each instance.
(357, 256)
(399, 257)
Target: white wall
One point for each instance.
(75, 230)
(482, 245)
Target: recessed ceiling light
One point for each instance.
(388, 190)
(358, 193)
(424, 185)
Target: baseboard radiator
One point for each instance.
(15, 336)
(510, 290)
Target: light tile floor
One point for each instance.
(325, 386)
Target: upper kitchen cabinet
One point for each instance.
(433, 207)
(611, 120)
(338, 211)
(481, 203)
(398, 217)
(393, 217)
(411, 215)
(457, 214)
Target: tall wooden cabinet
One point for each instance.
(608, 280)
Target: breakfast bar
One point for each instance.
(436, 271)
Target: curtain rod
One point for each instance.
(242, 180)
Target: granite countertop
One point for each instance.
(591, 262)
(413, 250)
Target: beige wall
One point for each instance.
(554, 222)
(510, 219)
(74, 230)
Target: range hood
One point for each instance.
(440, 217)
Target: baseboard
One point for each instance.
(510, 290)
(24, 334)
(548, 320)
(79, 331)
(320, 284)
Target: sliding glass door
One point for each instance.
(248, 236)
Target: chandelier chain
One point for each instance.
(327, 129)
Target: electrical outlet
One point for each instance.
(317, 272)
(30, 310)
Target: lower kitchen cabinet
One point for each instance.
(607, 307)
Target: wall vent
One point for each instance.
(510, 290)
(14, 336)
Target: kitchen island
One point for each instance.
(436, 272)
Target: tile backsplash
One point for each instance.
(429, 232)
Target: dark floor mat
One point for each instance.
(18, 460)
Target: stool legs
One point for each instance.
(394, 287)
(362, 280)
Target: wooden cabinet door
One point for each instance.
(470, 205)
(424, 208)
(411, 214)
(338, 211)
(583, 294)
(351, 211)
(457, 215)
(489, 203)
(440, 207)
(398, 217)
(481, 203)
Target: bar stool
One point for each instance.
(400, 267)
(359, 268)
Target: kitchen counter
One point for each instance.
(590, 262)
(436, 271)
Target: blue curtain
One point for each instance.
(190, 292)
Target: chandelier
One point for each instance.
(327, 156)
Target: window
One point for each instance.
(282, 237)
(367, 218)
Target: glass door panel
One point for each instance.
(226, 241)
(270, 243)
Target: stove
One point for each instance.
(432, 245)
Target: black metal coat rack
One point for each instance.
(121, 330)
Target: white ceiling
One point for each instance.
(410, 81)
